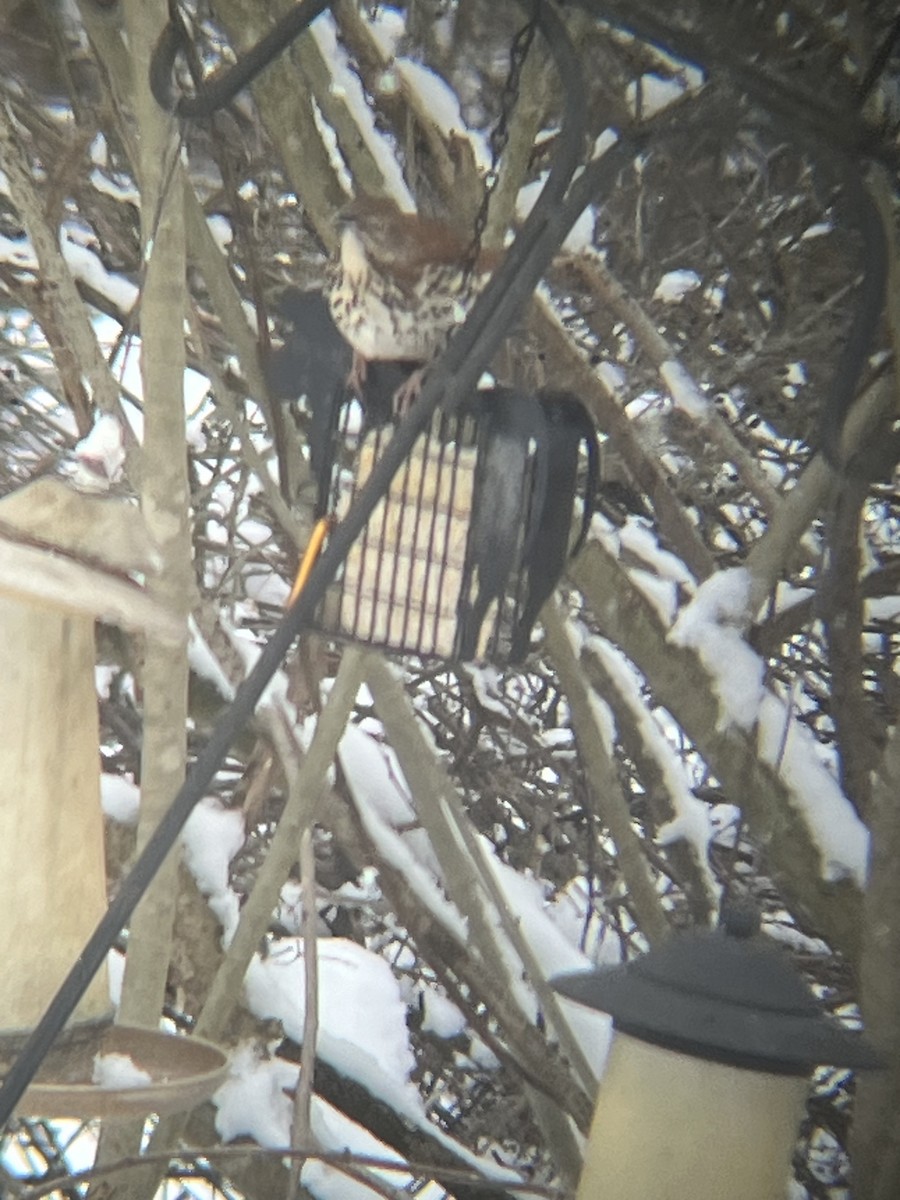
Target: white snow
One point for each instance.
(364, 758)
(441, 103)
(791, 936)
(376, 793)
(211, 837)
(330, 140)
(346, 84)
(542, 926)
(691, 821)
(99, 151)
(114, 1072)
(786, 596)
(820, 229)
(725, 820)
(253, 1101)
(665, 575)
(124, 192)
(100, 455)
(86, 266)
(675, 285)
(362, 1017)
(387, 27)
(580, 236)
(487, 684)
(247, 647)
(441, 1016)
(17, 253)
(120, 798)
(841, 837)
(577, 913)
(482, 1055)
(605, 721)
(710, 624)
(362, 1034)
(221, 230)
(335, 1132)
(380, 794)
(662, 593)
(115, 969)
(685, 394)
(883, 608)
(612, 377)
(205, 664)
(265, 587)
(653, 95)
(603, 142)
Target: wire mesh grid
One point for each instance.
(408, 583)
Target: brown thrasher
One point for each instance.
(404, 282)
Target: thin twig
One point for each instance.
(301, 1129)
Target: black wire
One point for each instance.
(452, 378)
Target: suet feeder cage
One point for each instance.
(445, 564)
(52, 870)
(707, 1077)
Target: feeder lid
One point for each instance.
(731, 999)
(99, 538)
(156, 1072)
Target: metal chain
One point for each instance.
(499, 137)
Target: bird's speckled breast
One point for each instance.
(383, 321)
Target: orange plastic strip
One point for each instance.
(313, 550)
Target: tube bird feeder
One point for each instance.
(63, 556)
(715, 1038)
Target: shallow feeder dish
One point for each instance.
(184, 1071)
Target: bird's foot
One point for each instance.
(408, 393)
(357, 378)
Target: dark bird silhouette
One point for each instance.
(567, 426)
(314, 363)
(315, 357)
(510, 489)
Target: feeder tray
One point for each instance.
(184, 1071)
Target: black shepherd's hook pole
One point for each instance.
(453, 377)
